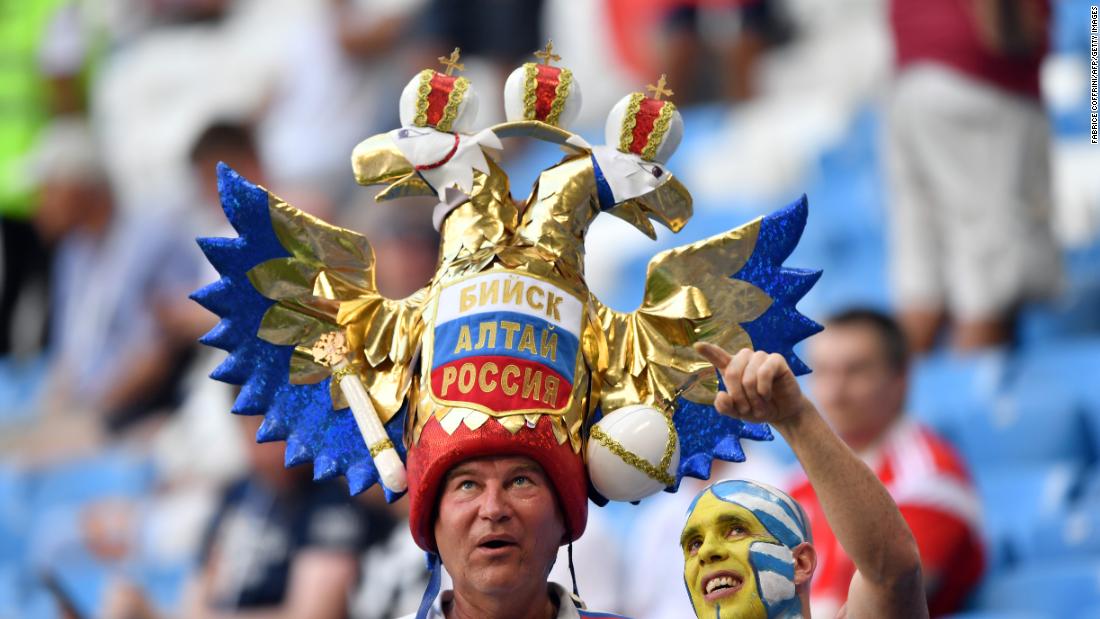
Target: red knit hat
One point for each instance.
(437, 452)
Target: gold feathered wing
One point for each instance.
(646, 355)
(327, 284)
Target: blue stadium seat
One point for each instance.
(111, 474)
(39, 604)
(1090, 488)
(13, 514)
(846, 284)
(944, 387)
(1000, 614)
(1073, 534)
(164, 584)
(1024, 426)
(1066, 367)
(1067, 34)
(10, 596)
(1015, 498)
(20, 384)
(1073, 315)
(1061, 588)
(1070, 366)
(84, 581)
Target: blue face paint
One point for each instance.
(774, 568)
(772, 562)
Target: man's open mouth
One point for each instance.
(721, 584)
(496, 542)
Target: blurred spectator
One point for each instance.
(494, 36)
(859, 383)
(280, 544)
(393, 573)
(226, 142)
(969, 168)
(24, 289)
(40, 78)
(736, 33)
(44, 48)
(113, 271)
(338, 83)
(505, 32)
(200, 421)
(405, 244)
(281, 540)
(188, 11)
(234, 144)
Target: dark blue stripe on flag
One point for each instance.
(446, 340)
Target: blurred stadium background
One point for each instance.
(87, 498)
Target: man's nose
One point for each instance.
(712, 550)
(494, 504)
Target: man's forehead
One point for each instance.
(710, 509)
(846, 342)
(488, 465)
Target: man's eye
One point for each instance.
(694, 546)
(737, 531)
(466, 484)
(522, 481)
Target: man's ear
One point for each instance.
(805, 562)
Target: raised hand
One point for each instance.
(760, 387)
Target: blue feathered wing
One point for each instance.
(706, 434)
(731, 290)
(301, 414)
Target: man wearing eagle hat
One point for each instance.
(503, 396)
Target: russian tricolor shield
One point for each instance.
(505, 342)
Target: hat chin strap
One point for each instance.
(432, 591)
(573, 572)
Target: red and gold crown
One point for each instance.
(649, 127)
(542, 92)
(439, 100)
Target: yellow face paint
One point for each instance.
(716, 542)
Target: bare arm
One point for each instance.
(863, 516)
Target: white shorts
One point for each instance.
(970, 194)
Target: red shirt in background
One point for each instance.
(946, 32)
(933, 491)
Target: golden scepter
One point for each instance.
(331, 350)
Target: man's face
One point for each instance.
(717, 572)
(857, 389)
(65, 203)
(499, 525)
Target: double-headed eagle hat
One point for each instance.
(506, 351)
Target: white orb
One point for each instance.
(640, 430)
